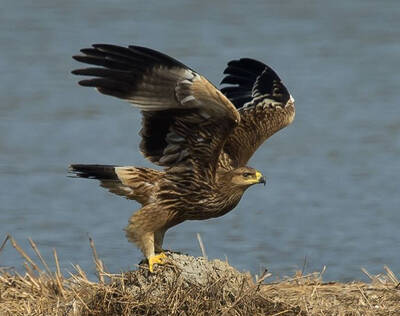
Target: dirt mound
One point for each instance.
(185, 286)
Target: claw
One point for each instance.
(159, 259)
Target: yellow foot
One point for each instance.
(159, 259)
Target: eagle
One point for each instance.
(201, 136)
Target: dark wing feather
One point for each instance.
(264, 104)
(186, 119)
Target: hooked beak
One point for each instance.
(260, 178)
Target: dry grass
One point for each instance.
(380, 297)
(186, 286)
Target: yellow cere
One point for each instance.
(258, 175)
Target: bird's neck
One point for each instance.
(229, 199)
(228, 194)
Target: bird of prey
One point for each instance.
(201, 136)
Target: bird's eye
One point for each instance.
(246, 174)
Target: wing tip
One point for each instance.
(248, 78)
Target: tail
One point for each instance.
(100, 172)
(131, 182)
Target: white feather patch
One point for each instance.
(188, 74)
(186, 82)
(187, 99)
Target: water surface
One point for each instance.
(332, 196)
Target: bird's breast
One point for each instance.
(211, 206)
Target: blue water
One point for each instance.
(332, 196)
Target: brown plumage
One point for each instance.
(203, 137)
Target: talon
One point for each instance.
(159, 259)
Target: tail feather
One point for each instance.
(100, 172)
(131, 182)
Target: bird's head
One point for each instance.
(246, 176)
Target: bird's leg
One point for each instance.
(146, 230)
(158, 240)
(148, 250)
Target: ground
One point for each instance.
(186, 285)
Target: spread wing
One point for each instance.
(186, 120)
(264, 104)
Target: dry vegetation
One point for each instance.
(187, 286)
